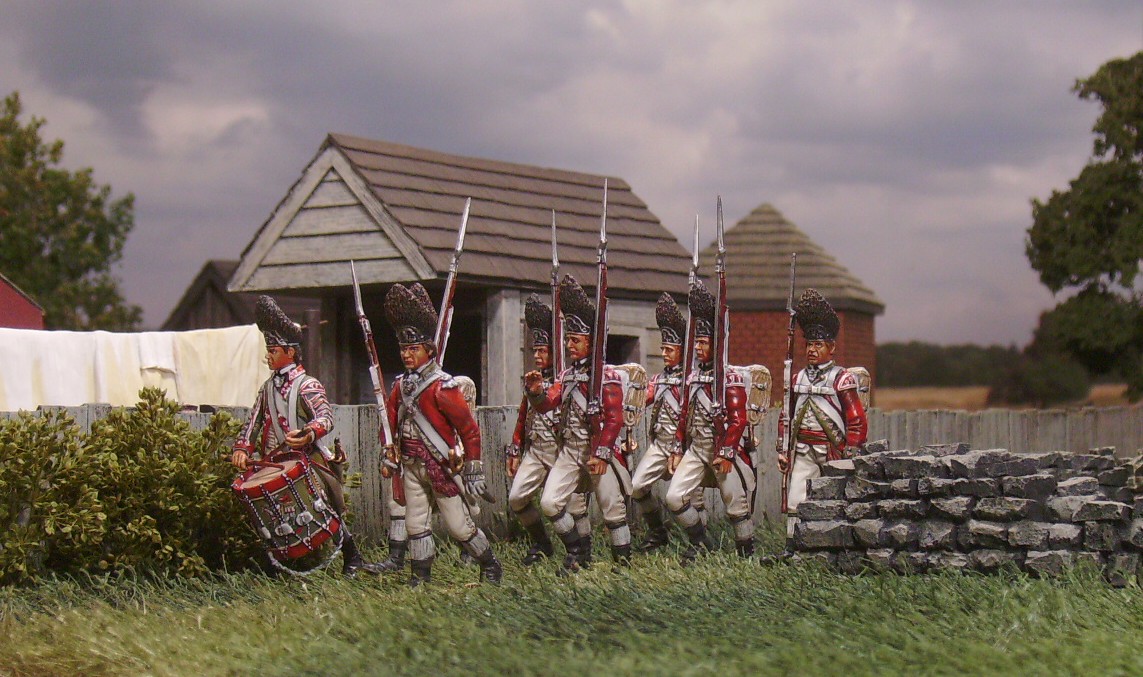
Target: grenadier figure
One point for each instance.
(429, 417)
(532, 452)
(664, 398)
(826, 417)
(701, 451)
(292, 413)
(589, 454)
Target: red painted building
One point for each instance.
(758, 252)
(17, 309)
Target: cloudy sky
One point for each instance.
(907, 138)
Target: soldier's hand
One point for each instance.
(783, 462)
(299, 439)
(513, 463)
(722, 466)
(533, 381)
(673, 463)
(596, 466)
(389, 461)
(473, 477)
(631, 446)
(239, 459)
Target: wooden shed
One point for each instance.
(395, 211)
(17, 309)
(758, 252)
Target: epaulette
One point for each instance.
(449, 381)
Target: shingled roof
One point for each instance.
(758, 252)
(395, 210)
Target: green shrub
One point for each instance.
(1041, 380)
(141, 490)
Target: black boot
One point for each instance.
(745, 548)
(490, 569)
(657, 535)
(353, 562)
(700, 543)
(541, 544)
(396, 560)
(783, 556)
(422, 573)
(621, 555)
(572, 543)
(584, 552)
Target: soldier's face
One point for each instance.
(578, 345)
(279, 356)
(542, 357)
(819, 352)
(672, 355)
(415, 356)
(703, 349)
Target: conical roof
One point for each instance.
(758, 252)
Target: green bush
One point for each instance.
(1041, 380)
(142, 490)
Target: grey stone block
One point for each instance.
(1036, 487)
(1133, 533)
(935, 486)
(1101, 536)
(860, 511)
(1065, 536)
(977, 534)
(821, 510)
(881, 559)
(826, 488)
(903, 489)
(823, 535)
(1121, 567)
(1115, 477)
(950, 449)
(860, 489)
(1063, 508)
(956, 509)
(1005, 509)
(1049, 460)
(868, 467)
(981, 488)
(937, 535)
(903, 508)
(914, 562)
(840, 468)
(823, 558)
(1120, 494)
(876, 447)
(993, 463)
(901, 535)
(851, 562)
(1087, 462)
(1077, 486)
(867, 533)
(1102, 511)
(914, 467)
(1048, 562)
(1102, 451)
(988, 560)
(949, 561)
(1088, 558)
(1028, 534)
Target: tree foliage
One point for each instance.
(1088, 239)
(60, 232)
(926, 364)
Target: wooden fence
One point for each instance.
(1073, 430)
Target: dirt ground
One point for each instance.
(972, 398)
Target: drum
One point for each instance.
(287, 506)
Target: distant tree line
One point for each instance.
(926, 364)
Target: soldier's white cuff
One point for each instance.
(603, 453)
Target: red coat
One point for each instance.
(446, 410)
(735, 422)
(611, 414)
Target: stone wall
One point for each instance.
(947, 507)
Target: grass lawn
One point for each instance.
(723, 616)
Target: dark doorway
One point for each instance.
(622, 349)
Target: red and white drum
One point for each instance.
(287, 506)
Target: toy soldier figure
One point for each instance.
(532, 452)
(292, 413)
(663, 399)
(701, 451)
(428, 415)
(827, 418)
(588, 451)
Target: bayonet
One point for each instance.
(557, 323)
(786, 436)
(599, 341)
(374, 362)
(444, 320)
(720, 341)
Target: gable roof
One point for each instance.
(396, 209)
(758, 252)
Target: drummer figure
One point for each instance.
(292, 413)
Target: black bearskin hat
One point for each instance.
(412, 315)
(671, 323)
(701, 304)
(538, 317)
(816, 317)
(278, 329)
(578, 309)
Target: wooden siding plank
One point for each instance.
(331, 221)
(328, 248)
(331, 192)
(327, 275)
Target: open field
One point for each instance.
(973, 398)
(723, 616)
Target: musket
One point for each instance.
(557, 325)
(785, 439)
(386, 432)
(599, 341)
(689, 341)
(444, 320)
(720, 347)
